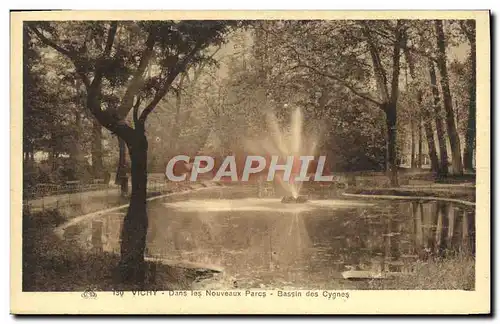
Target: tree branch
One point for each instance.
(468, 27)
(407, 47)
(380, 75)
(107, 118)
(49, 42)
(137, 80)
(396, 57)
(331, 76)
(69, 54)
(162, 91)
(99, 73)
(199, 69)
(408, 57)
(342, 82)
(135, 112)
(111, 37)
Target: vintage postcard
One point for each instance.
(245, 162)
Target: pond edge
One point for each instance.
(59, 230)
(391, 197)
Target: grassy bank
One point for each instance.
(452, 273)
(52, 264)
(75, 204)
(450, 179)
(467, 195)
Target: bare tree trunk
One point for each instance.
(176, 129)
(387, 164)
(97, 166)
(448, 103)
(135, 224)
(76, 153)
(389, 97)
(121, 171)
(443, 153)
(431, 144)
(413, 153)
(429, 134)
(419, 160)
(411, 67)
(413, 163)
(53, 151)
(28, 155)
(392, 165)
(470, 136)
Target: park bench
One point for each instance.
(71, 186)
(96, 184)
(45, 189)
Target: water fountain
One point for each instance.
(294, 200)
(284, 142)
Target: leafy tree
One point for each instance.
(441, 135)
(53, 102)
(428, 44)
(114, 54)
(265, 78)
(457, 166)
(356, 56)
(469, 29)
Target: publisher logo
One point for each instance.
(89, 293)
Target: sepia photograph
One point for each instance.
(249, 159)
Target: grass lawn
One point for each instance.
(452, 273)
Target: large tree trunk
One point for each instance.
(448, 104)
(443, 153)
(121, 170)
(97, 166)
(77, 155)
(470, 136)
(413, 161)
(135, 224)
(53, 151)
(420, 140)
(392, 165)
(77, 152)
(28, 154)
(429, 135)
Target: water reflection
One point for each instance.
(302, 249)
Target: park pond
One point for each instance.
(326, 243)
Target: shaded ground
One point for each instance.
(54, 264)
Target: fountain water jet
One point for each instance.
(283, 142)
